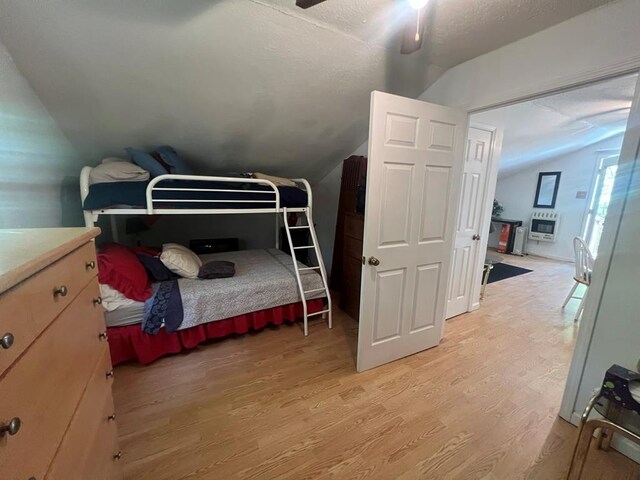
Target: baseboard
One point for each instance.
(553, 257)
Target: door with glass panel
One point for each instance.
(600, 199)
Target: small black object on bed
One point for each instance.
(217, 269)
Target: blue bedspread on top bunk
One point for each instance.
(132, 194)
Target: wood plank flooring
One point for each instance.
(277, 405)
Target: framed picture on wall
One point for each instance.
(547, 190)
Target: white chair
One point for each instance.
(584, 269)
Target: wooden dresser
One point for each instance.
(57, 418)
(346, 268)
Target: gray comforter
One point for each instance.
(263, 279)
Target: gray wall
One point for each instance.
(38, 166)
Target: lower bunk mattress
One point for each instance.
(130, 343)
(263, 291)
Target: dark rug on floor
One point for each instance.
(502, 271)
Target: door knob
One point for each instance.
(62, 291)
(12, 427)
(373, 261)
(475, 237)
(6, 341)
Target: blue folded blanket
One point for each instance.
(164, 307)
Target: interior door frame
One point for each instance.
(497, 135)
(609, 236)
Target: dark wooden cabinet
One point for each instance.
(346, 270)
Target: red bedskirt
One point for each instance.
(131, 343)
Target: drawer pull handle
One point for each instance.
(6, 341)
(62, 291)
(90, 265)
(109, 374)
(97, 301)
(111, 417)
(117, 456)
(12, 427)
(103, 336)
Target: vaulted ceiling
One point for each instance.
(244, 84)
(548, 127)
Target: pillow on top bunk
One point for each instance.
(171, 158)
(147, 161)
(180, 260)
(278, 181)
(117, 170)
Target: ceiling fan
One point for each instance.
(412, 32)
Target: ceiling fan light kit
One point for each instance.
(413, 32)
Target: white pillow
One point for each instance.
(278, 181)
(113, 299)
(180, 260)
(112, 170)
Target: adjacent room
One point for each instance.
(554, 182)
(313, 239)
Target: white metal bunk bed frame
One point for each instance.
(271, 206)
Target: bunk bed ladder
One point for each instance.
(318, 268)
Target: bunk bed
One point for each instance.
(299, 290)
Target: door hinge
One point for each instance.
(364, 260)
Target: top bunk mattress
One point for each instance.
(133, 194)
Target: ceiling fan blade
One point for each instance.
(413, 32)
(308, 3)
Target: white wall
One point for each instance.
(326, 195)
(585, 47)
(517, 191)
(38, 166)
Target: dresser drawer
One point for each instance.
(17, 327)
(27, 309)
(44, 386)
(105, 463)
(70, 274)
(93, 424)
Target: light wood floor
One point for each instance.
(482, 405)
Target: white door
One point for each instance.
(413, 187)
(473, 213)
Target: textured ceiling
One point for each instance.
(244, 84)
(544, 128)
